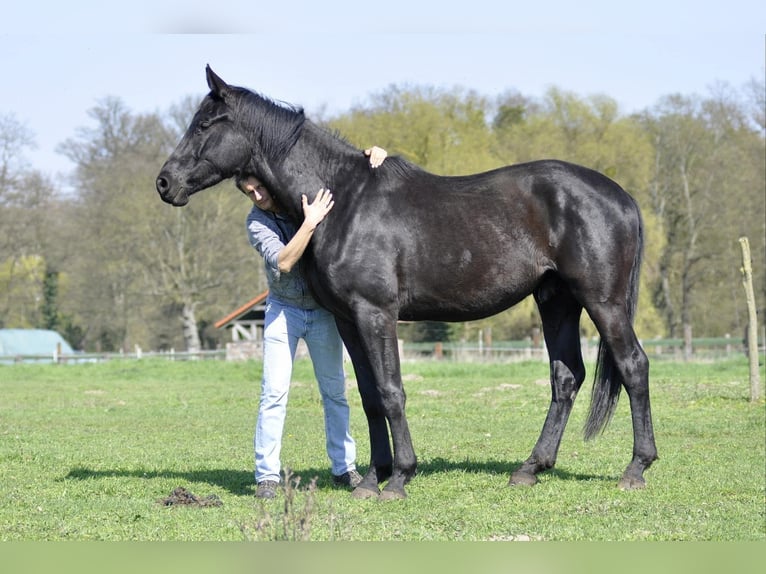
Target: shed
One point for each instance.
(32, 342)
(246, 324)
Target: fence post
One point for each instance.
(752, 323)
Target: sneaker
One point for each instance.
(266, 489)
(351, 478)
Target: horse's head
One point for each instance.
(215, 146)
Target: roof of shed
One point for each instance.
(243, 313)
(16, 342)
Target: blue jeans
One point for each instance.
(284, 326)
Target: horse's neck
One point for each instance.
(317, 160)
(294, 175)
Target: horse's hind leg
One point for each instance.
(627, 356)
(560, 315)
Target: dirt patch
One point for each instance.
(508, 387)
(500, 387)
(182, 497)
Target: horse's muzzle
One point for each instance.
(166, 190)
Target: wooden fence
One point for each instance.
(671, 349)
(63, 358)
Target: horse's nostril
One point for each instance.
(162, 184)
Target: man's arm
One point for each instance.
(314, 213)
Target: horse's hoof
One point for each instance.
(519, 478)
(361, 493)
(392, 494)
(631, 483)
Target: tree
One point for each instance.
(150, 269)
(49, 309)
(443, 131)
(195, 251)
(755, 94)
(15, 137)
(705, 171)
(27, 207)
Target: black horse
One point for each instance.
(402, 243)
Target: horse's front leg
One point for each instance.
(381, 459)
(561, 326)
(377, 329)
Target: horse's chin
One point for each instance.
(178, 200)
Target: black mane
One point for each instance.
(276, 125)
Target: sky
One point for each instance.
(60, 60)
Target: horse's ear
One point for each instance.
(216, 84)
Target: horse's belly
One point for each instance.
(445, 292)
(461, 305)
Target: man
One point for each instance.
(292, 314)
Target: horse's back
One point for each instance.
(556, 199)
(546, 180)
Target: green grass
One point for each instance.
(87, 450)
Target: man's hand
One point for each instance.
(376, 155)
(316, 211)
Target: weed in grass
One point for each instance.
(293, 523)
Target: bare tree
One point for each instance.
(146, 259)
(702, 153)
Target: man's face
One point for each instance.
(258, 194)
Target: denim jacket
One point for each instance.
(269, 233)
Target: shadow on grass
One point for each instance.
(499, 467)
(238, 482)
(242, 483)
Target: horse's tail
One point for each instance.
(607, 380)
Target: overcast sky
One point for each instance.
(60, 60)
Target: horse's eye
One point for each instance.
(205, 124)
(202, 126)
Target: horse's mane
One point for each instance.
(276, 125)
(403, 168)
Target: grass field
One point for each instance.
(86, 452)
